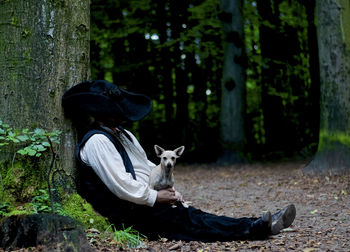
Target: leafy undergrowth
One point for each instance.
(323, 207)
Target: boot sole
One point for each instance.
(285, 220)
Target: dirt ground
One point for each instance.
(323, 206)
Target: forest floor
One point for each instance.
(322, 222)
(323, 206)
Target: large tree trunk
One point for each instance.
(333, 155)
(233, 84)
(44, 49)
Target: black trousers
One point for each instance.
(191, 224)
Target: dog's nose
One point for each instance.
(168, 165)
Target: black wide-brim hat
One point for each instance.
(101, 98)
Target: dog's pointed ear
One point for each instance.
(159, 150)
(179, 151)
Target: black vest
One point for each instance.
(95, 191)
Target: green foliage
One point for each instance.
(42, 204)
(37, 141)
(127, 237)
(4, 209)
(25, 175)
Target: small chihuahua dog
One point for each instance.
(161, 176)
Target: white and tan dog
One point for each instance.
(162, 176)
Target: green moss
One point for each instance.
(20, 181)
(27, 55)
(331, 140)
(76, 207)
(14, 21)
(345, 23)
(26, 33)
(18, 212)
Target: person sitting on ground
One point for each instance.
(114, 173)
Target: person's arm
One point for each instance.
(100, 153)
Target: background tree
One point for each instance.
(333, 154)
(166, 51)
(44, 49)
(286, 82)
(174, 53)
(233, 84)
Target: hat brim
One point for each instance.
(130, 106)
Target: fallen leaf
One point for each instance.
(288, 230)
(309, 249)
(93, 230)
(163, 239)
(314, 211)
(176, 246)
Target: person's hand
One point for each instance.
(179, 196)
(166, 196)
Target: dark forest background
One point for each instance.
(173, 52)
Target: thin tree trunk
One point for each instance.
(44, 49)
(178, 17)
(314, 114)
(233, 84)
(271, 51)
(333, 154)
(165, 68)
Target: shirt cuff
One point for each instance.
(152, 197)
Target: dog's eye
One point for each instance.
(164, 158)
(173, 158)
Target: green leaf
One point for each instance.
(42, 208)
(39, 147)
(38, 131)
(38, 154)
(47, 144)
(31, 152)
(23, 138)
(22, 152)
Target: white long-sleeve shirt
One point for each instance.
(100, 153)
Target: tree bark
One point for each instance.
(233, 84)
(44, 50)
(333, 154)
